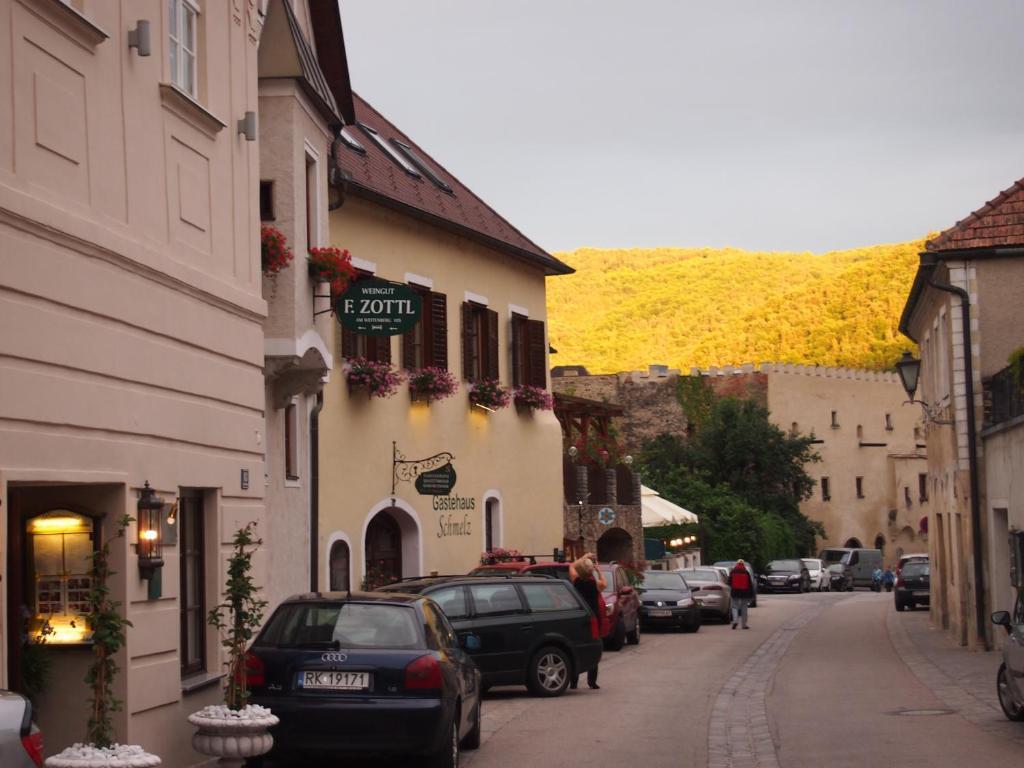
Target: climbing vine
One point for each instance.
(696, 399)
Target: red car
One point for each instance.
(621, 601)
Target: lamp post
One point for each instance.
(909, 370)
(150, 511)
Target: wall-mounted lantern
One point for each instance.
(909, 370)
(150, 513)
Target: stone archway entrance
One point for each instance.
(853, 543)
(384, 546)
(615, 544)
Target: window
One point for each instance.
(351, 142)
(552, 596)
(888, 422)
(917, 433)
(291, 441)
(479, 342)
(495, 598)
(922, 487)
(794, 428)
(266, 201)
(427, 342)
(339, 564)
(311, 203)
(182, 18)
(389, 150)
(860, 432)
(368, 347)
(452, 601)
(492, 537)
(426, 170)
(529, 352)
(826, 491)
(192, 594)
(906, 497)
(860, 487)
(58, 546)
(835, 419)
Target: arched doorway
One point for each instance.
(615, 544)
(340, 558)
(880, 543)
(853, 543)
(384, 548)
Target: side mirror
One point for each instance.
(1002, 618)
(471, 643)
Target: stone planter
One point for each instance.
(114, 756)
(233, 738)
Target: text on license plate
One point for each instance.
(334, 680)
(657, 612)
(920, 593)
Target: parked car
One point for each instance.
(666, 600)
(913, 586)
(917, 557)
(711, 591)
(860, 562)
(622, 604)
(521, 630)
(551, 568)
(730, 564)
(21, 742)
(840, 579)
(820, 579)
(1010, 678)
(785, 576)
(340, 669)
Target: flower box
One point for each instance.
(489, 394)
(331, 265)
(529, 398)
(378, 378)
(431, 383)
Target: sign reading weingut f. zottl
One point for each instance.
(378, 308)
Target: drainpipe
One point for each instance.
(972, 456)
(314, 491)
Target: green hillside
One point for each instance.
(627, 308)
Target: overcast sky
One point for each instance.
(774, 125)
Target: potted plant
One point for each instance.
(499, 555)
(236, 730)
(376, 577)
(530, 398)
(275, 254)
(489, 394)
(378, 377)
(331, 265)
(108, 637)
(432, 383)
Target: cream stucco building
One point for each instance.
(406, 219)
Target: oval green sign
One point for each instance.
(378, 308)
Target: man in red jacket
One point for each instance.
(742, 585)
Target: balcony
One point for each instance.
(1004, 398)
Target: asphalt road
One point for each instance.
(815, 682)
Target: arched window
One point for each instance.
(492, 524)
(340, 567)
(880, 543)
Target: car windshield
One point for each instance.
(343, 625)
(663, 580)
(916, 569)
(702, 574)
(783, 566)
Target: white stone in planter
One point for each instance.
(114, 756)
(233, 734)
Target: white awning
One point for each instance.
(658, 511)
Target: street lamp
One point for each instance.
(150, 508)
(909, 370)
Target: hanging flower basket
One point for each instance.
(531, 398)
(275, 253)
(489, 394)
(331, 265)
(432, 383)
(378, 378)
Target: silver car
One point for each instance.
(21, 743)
(710, 587)
(821, 580)
(1010, 681)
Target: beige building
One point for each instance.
(131, 343)
(407, 220)
(964, 311)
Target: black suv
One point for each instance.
(520, 630)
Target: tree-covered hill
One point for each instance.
(627, 308)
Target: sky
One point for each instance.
(770, 125)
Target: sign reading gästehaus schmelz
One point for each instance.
(378, 308)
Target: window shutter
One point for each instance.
(516, 327)
(438, 305)
(468, 340)
(491, 318)
(536, 354)
(348, 343)
(408, 350)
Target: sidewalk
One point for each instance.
(964, 680)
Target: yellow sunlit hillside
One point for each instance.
(627, 308)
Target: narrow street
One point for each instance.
(819, 679)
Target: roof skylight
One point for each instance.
(418, 161)
(351, 142)
(391, 152)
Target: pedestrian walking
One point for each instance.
(742, 585)
(888, 579)
(589, 582)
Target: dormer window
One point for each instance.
(389, 150)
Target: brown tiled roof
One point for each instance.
(376, 176)
(998, 223)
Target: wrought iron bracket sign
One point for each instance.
(378, 308)
(433, 476)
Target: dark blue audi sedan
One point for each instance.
(365, 674)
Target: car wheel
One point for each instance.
(692, 626)
(1010, 707)
(472, 740)
(448, 755)
(549, 671)
(633, 638)
(617, 638)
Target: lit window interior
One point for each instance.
(418, 161)
(393, 153)
(60, 544)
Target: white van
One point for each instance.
(861, 563)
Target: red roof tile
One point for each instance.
(376, 176)
(998, 223)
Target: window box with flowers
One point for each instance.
(489, 394)
(529, 398)
(331, 265)
(499, 555)
(275, 254)
(432, 383)
(377, 377)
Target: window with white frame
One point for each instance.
(182, 23)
